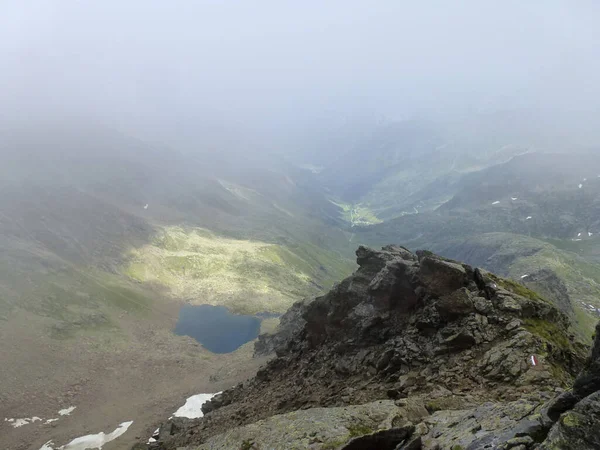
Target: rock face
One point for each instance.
(422, 335)
(289, 324)
(578, 428)
(569, 421)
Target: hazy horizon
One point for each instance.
(164, 69)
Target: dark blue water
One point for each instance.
(216, 328)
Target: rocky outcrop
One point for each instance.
(327, 426)
(588, 381)
(568, 421)
(578, 427)
(420, 333)
(290, 323)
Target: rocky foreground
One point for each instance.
(413, 351)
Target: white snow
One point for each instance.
(590, 234)
(529, 218)
(496, 202)
(154, 436)
(193, 406)
(579, 235)
(524, 276)
(585, 179)
(146, 206)
(91, 441)
(17, 423)
(514, 198)
(580, 185)
(577, 240)
(67, 411)
(20, 422)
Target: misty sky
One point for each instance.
(142, 63)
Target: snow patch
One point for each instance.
(580, 185)
(529, 218)
(193, 406)
(514, 199)
(146, 206)
(524, 276)
(18, 423)
(67, 411)
(91, 441)
(154, 437)
(579, 235)
(590, 234)
(496, 202)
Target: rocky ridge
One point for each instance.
(411, 351)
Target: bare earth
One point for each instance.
(141, 374)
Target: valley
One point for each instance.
(271, 225)
(97, 270)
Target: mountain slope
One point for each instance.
(430, 333)
(85, 213)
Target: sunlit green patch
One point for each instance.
(248, 276)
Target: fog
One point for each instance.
(166, 69)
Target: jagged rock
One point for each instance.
(456, 304)
(560, 404)
(441, 277)
(394, 283)
(508, 302)
(319, 427)
(577, 422)
(517, 442)
(462, 340)
(414, 443)
(577, 429)
(489, 426)
(214, 403)
(381, 440)
(483, 305)
(589, 379)
(436, 331)
(513, 325)
(509, 359)
(289, 324)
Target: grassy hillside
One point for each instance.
(245, 275)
